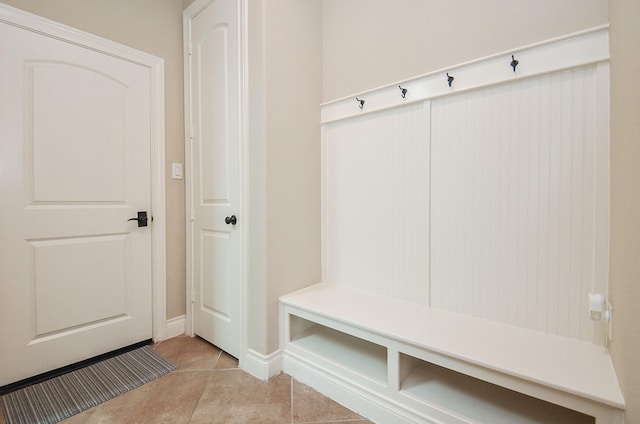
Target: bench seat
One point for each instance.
(331, 333)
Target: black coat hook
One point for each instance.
(361, 105)
(403, 91)
(449, 79)
(514, 63)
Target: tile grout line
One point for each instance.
(217, 359)
(204, 388)
(195, 407)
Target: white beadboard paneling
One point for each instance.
(513, 182)
(376, 202)
(514, 202)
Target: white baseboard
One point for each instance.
(261, 366)
(371, 405)
(176, 326)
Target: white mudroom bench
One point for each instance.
(396, 361)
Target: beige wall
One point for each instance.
(153, 26)
(293, 83)
(368, 43)
(285, 78)
(624, 16)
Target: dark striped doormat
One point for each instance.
(59, 398)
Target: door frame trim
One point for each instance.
(187, 15)
(34, 23)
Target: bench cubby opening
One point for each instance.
(478, 400)
(353, 353)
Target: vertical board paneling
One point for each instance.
(513, 202)
(376, 202)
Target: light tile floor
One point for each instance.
(208, 387)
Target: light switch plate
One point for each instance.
(176, 171)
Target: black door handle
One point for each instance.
(142, 219)
(231, 220)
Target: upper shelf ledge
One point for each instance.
(575, 50)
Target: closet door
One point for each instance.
(216, 225)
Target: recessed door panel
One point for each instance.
(214, 76)
(75, 109)
(216, 274)
(79, 282)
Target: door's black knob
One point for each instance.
(231, 220)
(141, 218)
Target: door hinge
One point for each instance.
(191, 132)
(190, 49)
(193, 296)
(193, 215)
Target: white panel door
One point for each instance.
(215, 175)
(75, 274)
